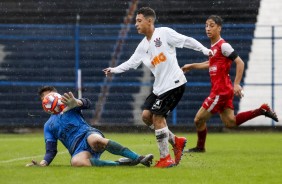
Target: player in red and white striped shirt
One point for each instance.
(222, 92)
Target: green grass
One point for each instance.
(230, 158)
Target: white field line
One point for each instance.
(31, 157)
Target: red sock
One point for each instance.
(202, 138)
(245, 116)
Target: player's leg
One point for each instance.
(171, 98)
(84, 155)
(81, 159)
(212, 104)
(178, 143)
(228, 118)
(200, 120)
(147, 116)
(264, 109)
(162, 133)
(161, 107)
(226, 112)
(99, 144)
(85, 158)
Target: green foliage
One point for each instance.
(230, 158)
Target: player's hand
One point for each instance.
(33, 163)
(238, 91)
(186, 68)
(43, 163)
(208, 52)
(70, 101)
(107, 71)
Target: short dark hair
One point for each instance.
(147, 12)
(46, 88)
(217, 19)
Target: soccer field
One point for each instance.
(230, 158)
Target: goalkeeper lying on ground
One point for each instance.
(84, 143)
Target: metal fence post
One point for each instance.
(273, 68)
(77, 66)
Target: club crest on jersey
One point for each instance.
(158, 42)
(214, 51)
(157, 104)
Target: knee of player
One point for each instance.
(230, 123)
(80, 162)
(147, 118)
(97, 142)
(198, 121)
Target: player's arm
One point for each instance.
(192, 43)
(229, 52)
(51, 152)
(240, 65)
(197, 66)
(50, 147)
(86, 103)
(133, 62)
(178, 40)
(71, 102)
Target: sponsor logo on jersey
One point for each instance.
(158, 59)
(158, 42)
(212, 68)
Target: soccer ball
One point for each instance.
(52, 103)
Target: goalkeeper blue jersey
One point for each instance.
(69, 128)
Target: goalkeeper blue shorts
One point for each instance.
(83, 145)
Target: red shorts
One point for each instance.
(217, 103)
